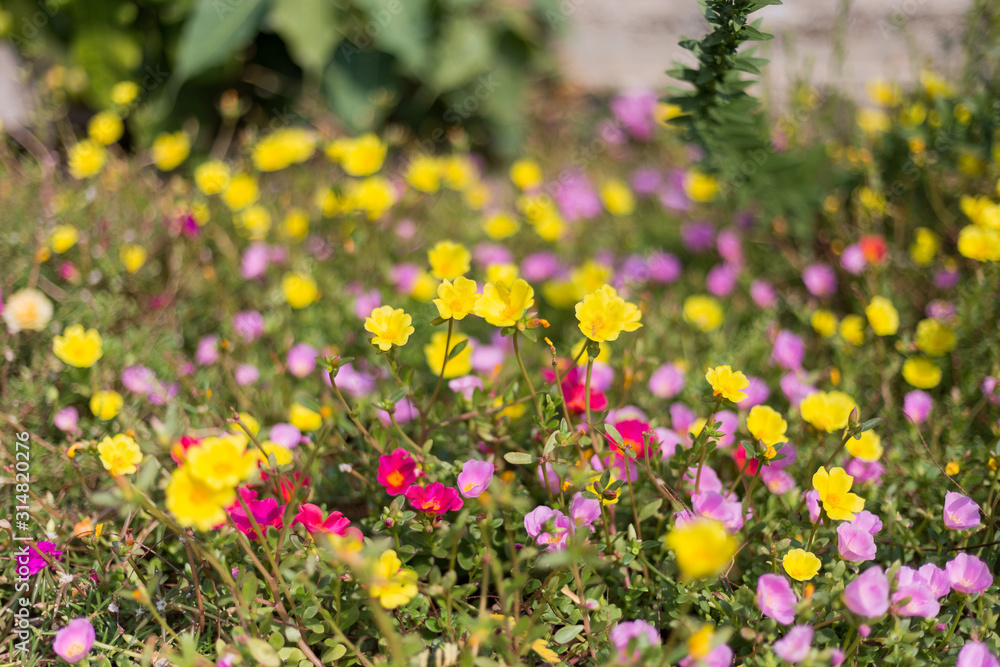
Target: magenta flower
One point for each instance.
(635, 111)
(435, 498)
(868, 594)
(730, 247)
(763, 294)
(672, 195)
(668, 441)
(968, 574)
(757, 392)
(35, 561)
(248, 325)
(788, 350)
(708, 482)
(917, 405)
(776, 598)
(405, 412)
(975, 654)
(311, 516)
(666, 381)
(631, 637)
(301, 359)
(721, 279)
(865, 471)
(663, 268)
(794, 388)
(960, 512)
(820, 279)
(475, 478)
(576, 197)
(795, 645)
(535, 520)
(265, 512)
(539, 266)
(366, 302)
(396, 471)
(645, 181)
(698, 236)
(74, 641)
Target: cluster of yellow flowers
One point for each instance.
(980, 240)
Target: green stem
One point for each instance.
(527, 379)
(444, 364)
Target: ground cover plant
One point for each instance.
(326, 398)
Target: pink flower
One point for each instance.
(853, 259)
(936, 579)
(960, 512)
(138, 379)
(311, 516)
(248, 325)
(286, 435)
(757, 392)
(396, 472)
(466, 386)
(975, 654)
(865, 471)
(706, 482)
(663, 267)
(720, 656)
(968, 574)
(404, 412)
(681, 417)
(35, 561)
(635, 110)
(812, 503)
(584, 511)
(795, 645)
(788, 350)
(475, 478)
(715, 506)
(776, 598)
(208, 351)
(820, 279)
(366, 302)
(246, 374)
(868, 594)
(666, 381)
(917, 405)
(265, 512)
(915, 600)
(778, 481)
(74, 641)
(301, 359)
(721, 279)
(66, 419)
(435, 498)
(794, 388)
(763, 294)
(634, 635)
(255, 261)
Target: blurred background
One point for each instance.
(427, 67)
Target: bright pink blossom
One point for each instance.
(435, 498)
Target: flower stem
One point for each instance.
(527, 379)
(444, 364)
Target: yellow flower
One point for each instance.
(526, 174)
(935, 338)
(921, 372)
(666, 112)
(282, 455)
(925, 246)
(882, 316)
(868, 448)
(503, 307)
(282, 148)
(727, 383)
(392, 584)
(824, 323)
(120, 455)
(27, 310)
(448, 260)
(303, 418)
(979, 243)
(250, 422)
(540, 647)
(296, 224)
(767, 425)
(934, 85)
(603, 315)
(86, 159)
(617, 198)
(363, 156)
(133, 256)
(703, 311)
(801, 565)
(700, 187)
(423, 173)
(241, 192)
(700, 643)
(221, 462)
(124, 92)
(390, 326)
(458, 172)
(577, 352)
(589, 277)
(605, 496)
(827, 411)
(105, 128)
(500, 226)
(424, 287)
(883, 93)
(106, 405)
(951, 468)
(77, 347)
(874, 121)
(373, 195)
(170, 150)
(194, 503)
(834, 492)
(505, 274)
(460, 364)
(852, 329)
(456, 300)
(299, 289)
(63, 238)
(702, 547)
(212, 177)
(254, 222)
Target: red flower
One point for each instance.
(574, 388)
(740, 456)
(396, 472)
(435, 498)
(311, 516)
(874, 248)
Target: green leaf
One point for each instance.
(649, 509)
(214, 31)
(613, 433)
(870, 424)
(399, 27)
(361, 86)
(457, 350)
(464, 51)
(566, 634)
(263, 653)
(518, 458)
(306, 27)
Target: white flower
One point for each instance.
(66, 579)
(28, 310)
(113, 608)
(346, 467)
(161, 605)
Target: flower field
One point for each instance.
(323, 398)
